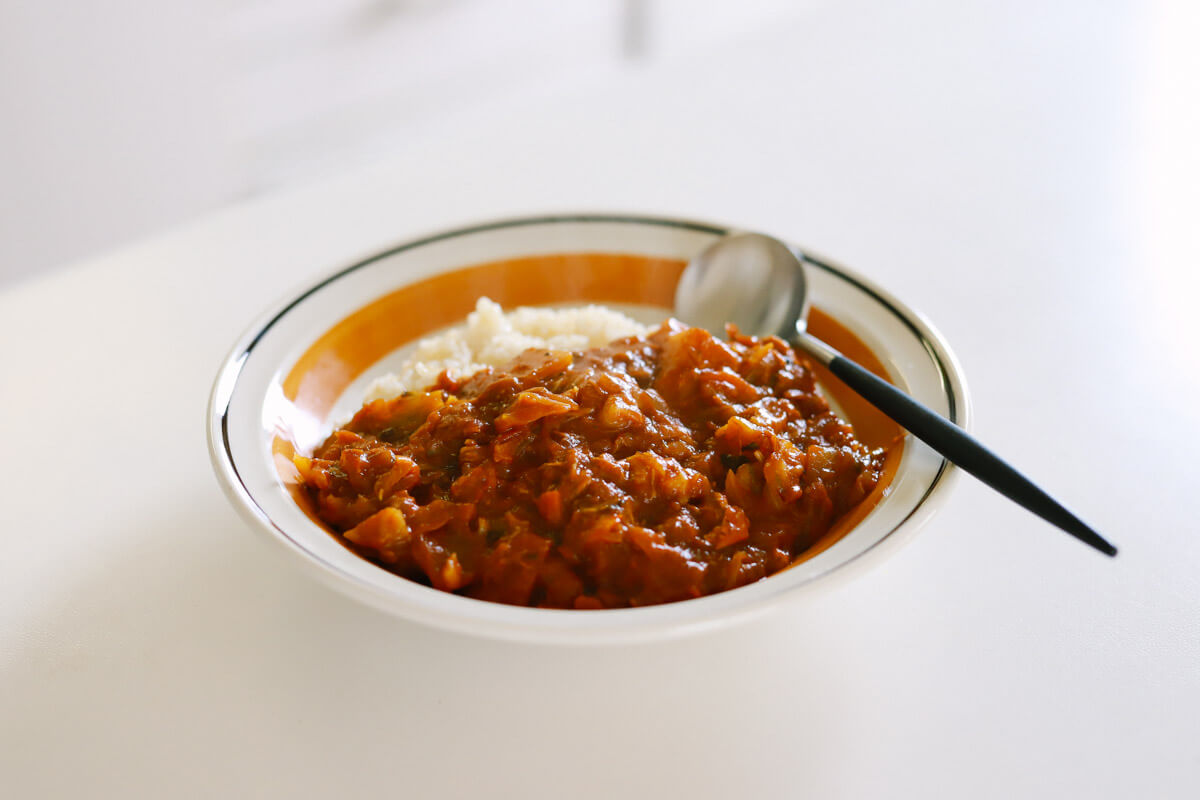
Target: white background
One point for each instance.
(122, 117)
(1024, 173)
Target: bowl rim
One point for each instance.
(947, 365)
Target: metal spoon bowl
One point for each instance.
(757, 283)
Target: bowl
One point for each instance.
(303, 367)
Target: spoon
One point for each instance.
(758, 283)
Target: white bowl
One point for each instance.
(302, 367)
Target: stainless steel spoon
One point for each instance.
(758, 283)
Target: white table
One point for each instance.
(1025, 176)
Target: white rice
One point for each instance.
(492, 338)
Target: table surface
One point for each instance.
(1024, 174)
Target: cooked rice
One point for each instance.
(491, 338)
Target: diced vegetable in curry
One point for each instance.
(648, 471)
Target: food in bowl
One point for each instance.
(662, 466)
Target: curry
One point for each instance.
(651, 470)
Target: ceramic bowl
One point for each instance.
(303, 367)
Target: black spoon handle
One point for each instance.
(958, 446)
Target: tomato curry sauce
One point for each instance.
(650, 470)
